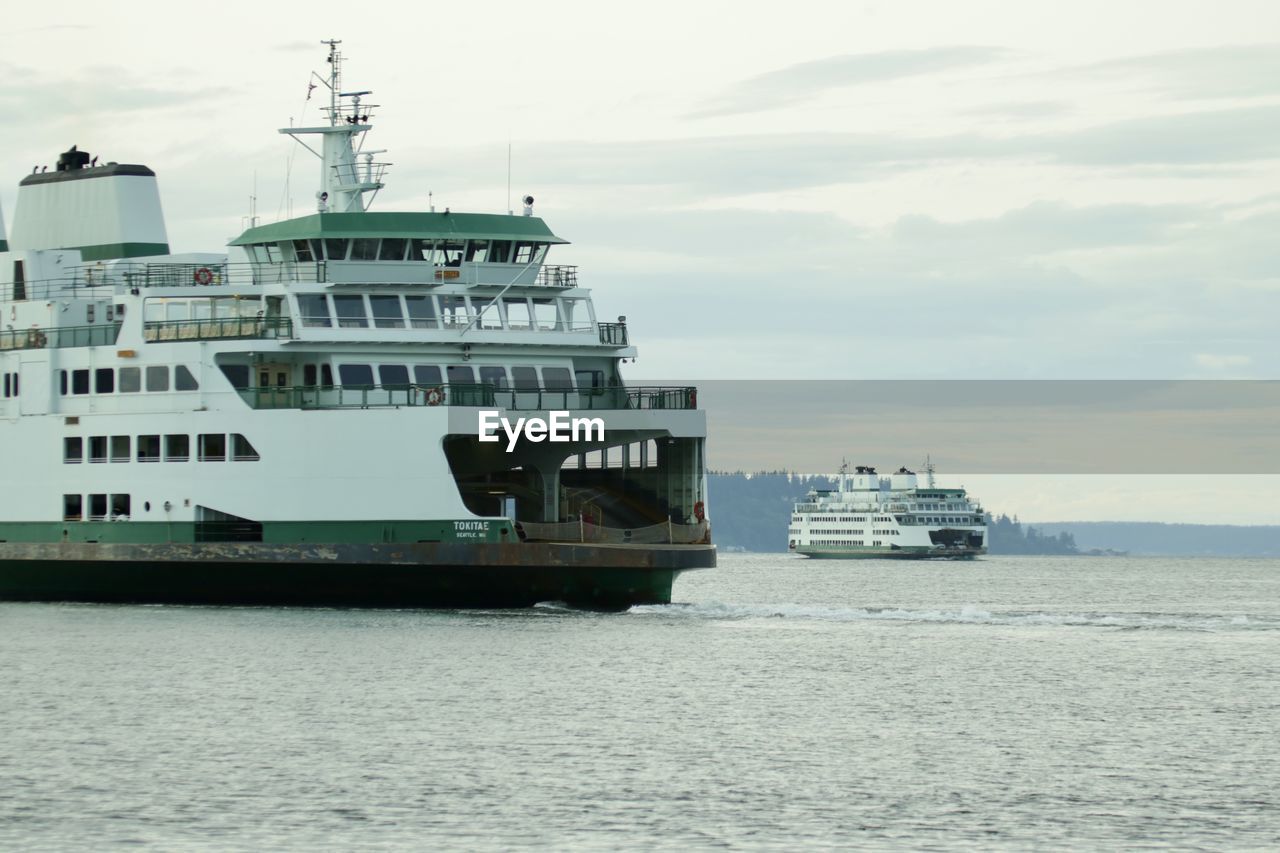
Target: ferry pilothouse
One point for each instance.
(867, 515)
(295, 420)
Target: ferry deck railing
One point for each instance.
(60, 337)
(470, 394)
(138, 276)
(223, 328)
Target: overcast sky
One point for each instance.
(823, 190)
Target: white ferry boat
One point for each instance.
(888, 517)
(296, 419)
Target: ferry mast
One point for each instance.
(343, 182)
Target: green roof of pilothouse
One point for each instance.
(478, 226)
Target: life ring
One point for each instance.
(203, 276)
(700, 511)
(435, 396)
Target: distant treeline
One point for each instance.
(752, 512)
(1150, 537)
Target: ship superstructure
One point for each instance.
(295, 420)
(868, 515)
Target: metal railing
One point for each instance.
(60, 337)
(614, 334)
(467, 394)
(217, 329)
(141, 275)
(558, 275)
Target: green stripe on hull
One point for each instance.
(277, 532)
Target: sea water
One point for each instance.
(1009, 702)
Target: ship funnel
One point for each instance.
(105, 212)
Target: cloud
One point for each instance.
(748, 164)
(807, 80)
(1227, 71)
(88, 91)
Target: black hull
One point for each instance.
(425, 575)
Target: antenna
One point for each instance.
(928, 470)
(510, 210)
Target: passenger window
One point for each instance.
(350, 311)
(335, 249)
(540, 252)
(309, 375)
(495, 376)
(177, 448)
(477, 251)
(97, 506)
(302, 251)
(148, 448)
(422, 250)
(426, 374)
(500, 251)
(313, 308)
(517, 313)
(453, 310)
(183, 380)
(104, 380)
(525, 378)
(355, 375)
(364, 249)
(130, 380)
(546, 314)
(242, 450)
(120, 448)
(487, 310)
(392, 249)
(72, 507)
(450, 252)
(213, 447)
(393, 375)
(79, 382)
(386, 312)
(422, 311)
(73, 449)
(524, 253)
(158, 378)
(557, 378)
(461, 374)
(326, 376)
(120, 505)
(97, 448)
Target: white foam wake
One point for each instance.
(966, 614)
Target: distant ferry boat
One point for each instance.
(887, 517)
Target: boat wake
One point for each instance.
(967, 614)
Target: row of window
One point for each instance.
(404, 375)
(100, 506)
(10, 385)
(947, 519)
(836, 542)
(831, 518)
(429, 311)
(448, 253)
(210, 447)
(127, 380)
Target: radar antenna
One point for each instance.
(928, 471)
(343, 182)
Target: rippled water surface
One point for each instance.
(1010, 702)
